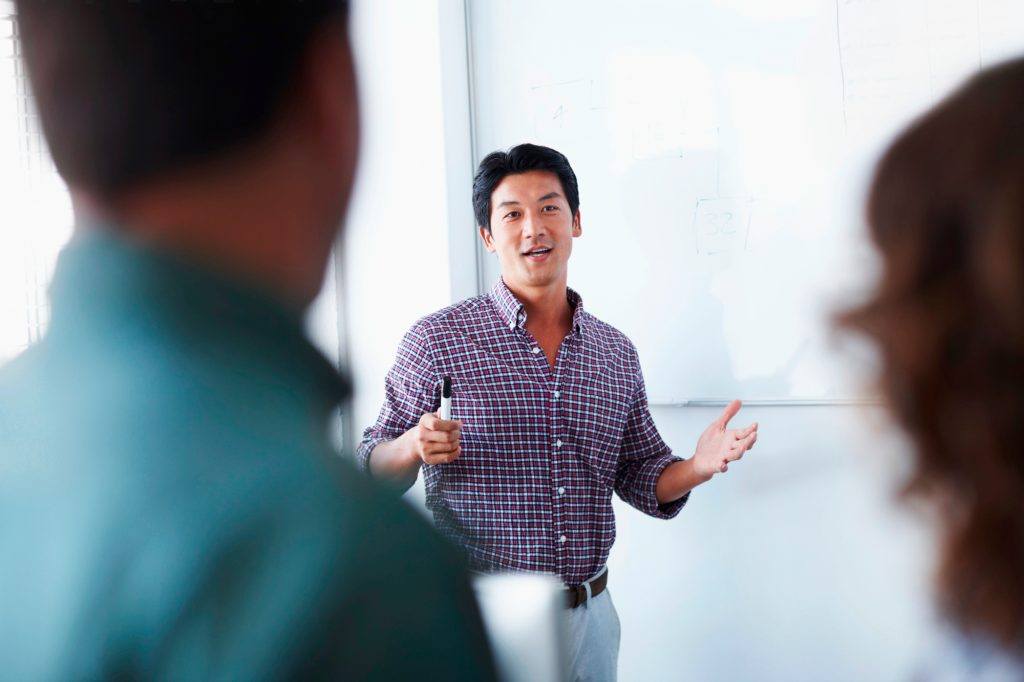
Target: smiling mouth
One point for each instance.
(538, 252)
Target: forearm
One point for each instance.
(678, 479)
(395, 460)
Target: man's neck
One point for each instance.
(231, 223)
(547, 306)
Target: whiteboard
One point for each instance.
(722, 150)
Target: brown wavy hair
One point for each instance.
(946, 211)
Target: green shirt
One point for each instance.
(171, 506)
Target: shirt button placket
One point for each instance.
(561, 491)
(559, 505)
(559, 499)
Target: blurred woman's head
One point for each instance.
(946, 211)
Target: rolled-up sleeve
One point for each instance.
(410, 391)
(643, 457)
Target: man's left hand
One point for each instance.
(719, 444)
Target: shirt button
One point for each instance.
(562, 539)
(558, 443)
(557, 395)
(561, 490)
(536, 350)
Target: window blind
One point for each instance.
(35, 209)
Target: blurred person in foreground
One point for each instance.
(170, 502)
(946, 211)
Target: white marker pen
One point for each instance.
(446, 398)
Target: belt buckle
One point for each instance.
(576, 596)
(581, 594)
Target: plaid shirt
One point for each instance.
(542, 447)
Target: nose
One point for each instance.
(533, 226)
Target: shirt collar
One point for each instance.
(102, 279)
(578, 316)
(513, 313)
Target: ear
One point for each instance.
(577, 227)
(487, 238)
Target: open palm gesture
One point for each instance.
(719, 444)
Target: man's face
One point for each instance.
(531, 230)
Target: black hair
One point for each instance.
(520, 159)
(130, 90)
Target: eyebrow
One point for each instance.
(512, 202)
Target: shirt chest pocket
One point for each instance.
(594, 423)
(497, 420)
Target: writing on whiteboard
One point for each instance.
(722, 225)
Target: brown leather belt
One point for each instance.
(576, 596)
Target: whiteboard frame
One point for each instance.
(780, 402)
(459, 146)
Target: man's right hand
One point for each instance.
(434, 440)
